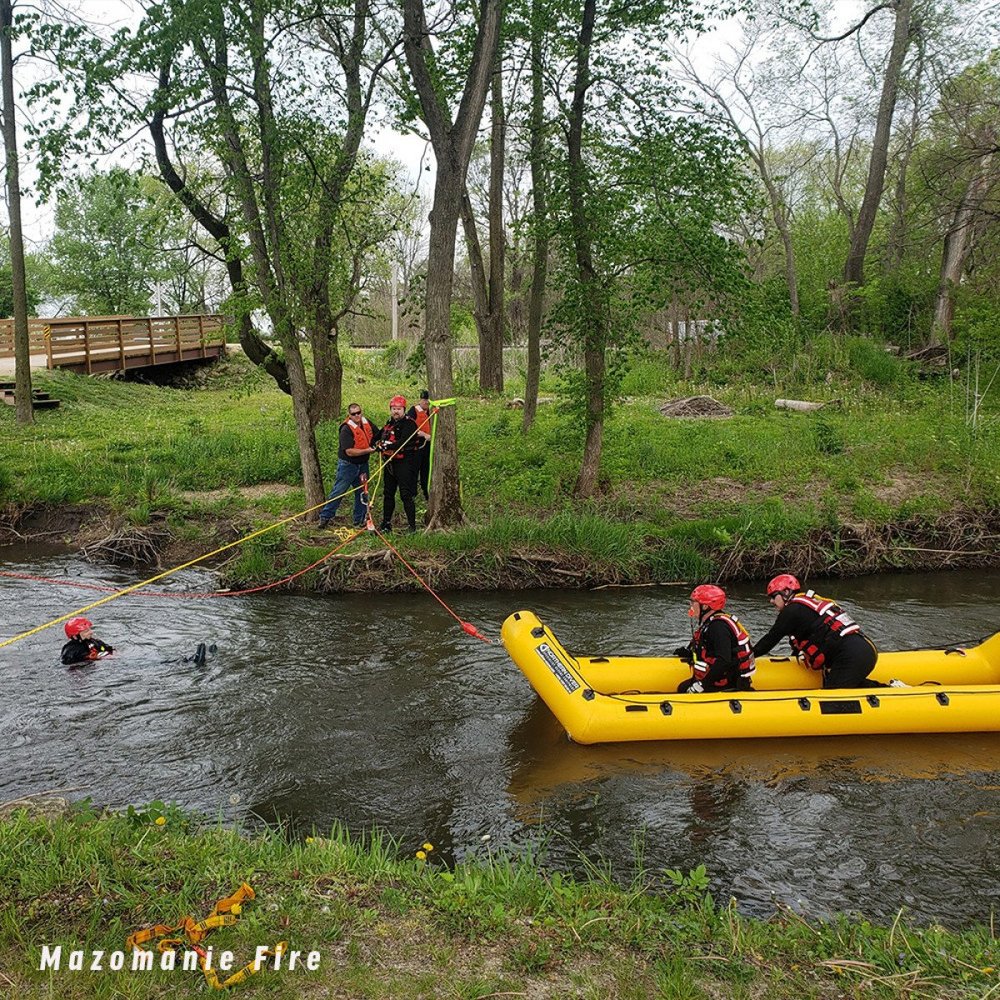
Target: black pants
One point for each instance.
(424, 468)
(399, 474)
(851, 663)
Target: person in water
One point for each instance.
(822, 634)
(719, 652)
(83, 645)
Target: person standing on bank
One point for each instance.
(719, 653)
(822, 634)
(420, 414)
(357, 437)
(397, 442)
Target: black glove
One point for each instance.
(684, 653)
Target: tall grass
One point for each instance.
(389, 923)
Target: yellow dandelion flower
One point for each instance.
(161, 820)
(309, 840)
(236, 909)
(421, 855)
(428, 846)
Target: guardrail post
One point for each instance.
(177, 335)
(201, 333)
(152, 343)
(47, 337)
(121, 344)
(86, 345)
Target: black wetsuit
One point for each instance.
(716, 647)
(83, 650)
(849, 659)
(399, 470)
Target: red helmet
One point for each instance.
(784, 581)
(397, 401)
(77, 625)
(709, 595)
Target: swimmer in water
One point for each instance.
(83, 645)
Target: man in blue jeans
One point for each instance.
(356, 437)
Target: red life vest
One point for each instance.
(834, 624)
(363, 432)
(745, 663)
(390, 442)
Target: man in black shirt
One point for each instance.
(356, 443)
(821, 633)
(398, 442)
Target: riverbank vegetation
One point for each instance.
(900, 474)
(393, 920)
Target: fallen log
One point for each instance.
(802, 404)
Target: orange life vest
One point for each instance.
(423, 419)
(834, 624)
(363, 432)
(745, 663)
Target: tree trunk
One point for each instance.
(896, 239)
(312, 476)
(445, 505)
(957, 244)
(491, 338)
(854, 268)
(22, 347)
(779, 213)
(540, 238)
(594, 320)
(453, 145)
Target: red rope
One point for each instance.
(189, 594)
(467, 627)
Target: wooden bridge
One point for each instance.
(89, 344)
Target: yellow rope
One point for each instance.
(192, 562)
(166, 573)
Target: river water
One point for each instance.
(381, 713)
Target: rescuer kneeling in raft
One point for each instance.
(822, 634)
(719, 653)
(83, 645)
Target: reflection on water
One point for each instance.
(383, 713)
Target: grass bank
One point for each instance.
(389, 924)
(899, 475)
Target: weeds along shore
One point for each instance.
(896, 477)
(393, 920)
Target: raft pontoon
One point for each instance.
(605, 699)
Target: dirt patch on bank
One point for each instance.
(247, 492)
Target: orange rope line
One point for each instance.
(185, 593)
(467, 627)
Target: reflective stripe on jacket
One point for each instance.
(834, 624)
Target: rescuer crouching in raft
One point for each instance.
(719, 653)
(83, 645)
(822, 635)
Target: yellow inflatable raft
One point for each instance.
(605, 699)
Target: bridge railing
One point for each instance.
(106, 343)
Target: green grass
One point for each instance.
(675, 495)
(387, 924)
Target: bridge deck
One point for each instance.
(89, 344)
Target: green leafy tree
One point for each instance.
(112, 242)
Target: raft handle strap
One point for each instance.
(942, 698)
